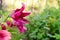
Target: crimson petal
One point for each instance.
(16, 10)
(19, 22)
(15, 15)
(22, 29)
(23, 7)
(25, 20)
(24, 14)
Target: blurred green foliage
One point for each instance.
(45, 26)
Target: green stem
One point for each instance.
(6, 18)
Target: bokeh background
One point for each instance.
(30, 4)
(44, 18)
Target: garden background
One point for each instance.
(44, 19)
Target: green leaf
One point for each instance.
(57, 36)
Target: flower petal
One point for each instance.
(23, 7)
(18, 22)
(15, 15)
(16, 10)
(22, 29)
(24, 14)
(25, 20)
(5, 35)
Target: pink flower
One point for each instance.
(5, 35)
(18, 18)
(3, 27)
(18, 13)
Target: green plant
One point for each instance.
(45, 26)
